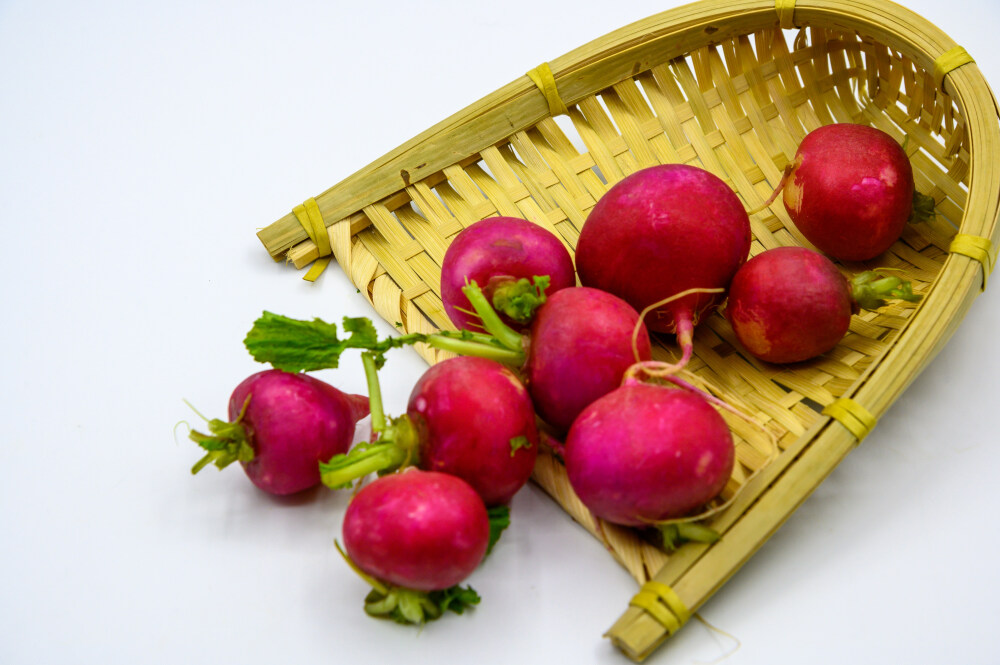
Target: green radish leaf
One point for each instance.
(456, 599)
(499, 520)
(295, 345)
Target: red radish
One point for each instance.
(580, 346)
(416, 532)
(281, 425)
(503, 254)
(475, 421)
(850, 191)
(790, 304)
(467, 416)
(645, 453)
(417, 529)
(659, 232)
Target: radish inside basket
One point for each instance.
(737, 102)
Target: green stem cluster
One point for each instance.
(228, 442)
(677, 533)
(398, 442)
(410, 606)
(519, 299)
(870, 290)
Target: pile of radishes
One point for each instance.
(538, 351)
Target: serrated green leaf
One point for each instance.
(296, 345)
(499, 517)
(455, 599)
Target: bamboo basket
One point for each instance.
(731, 86)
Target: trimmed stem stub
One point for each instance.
(228, 442)
(504, 334)
(870, 290)
(518, 299)
(677, 533)
(397, 447)
(923, 208)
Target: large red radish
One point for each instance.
(466, 416)
(662, 231)
(580, 347)
(850, 191)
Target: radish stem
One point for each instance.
(781, 185)
(374, 393)
(504, 334)
(685, 331)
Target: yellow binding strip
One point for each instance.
(976, 248)
(311, 220)
(546, 82)
(856, 418)
(663, 604)
(948, 61)
(786, 11)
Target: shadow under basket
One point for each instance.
(732, 87)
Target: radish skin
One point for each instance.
(420, 530)
(281, 425)
(790, 304)
(644, 453)
(661, 231)
(497, 253)
(850, 190)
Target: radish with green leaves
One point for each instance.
(517, 262)
(580, 344)
(469, 417)
(414, 536)
(660, 232)
(791, 304)
(281, 425)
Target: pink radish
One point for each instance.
(467, 416)
(659, 232)
(281, 425)
(418, 534)
(505, 255)
(580, 344)
(644, 454)
(790, 304)
(850, 191)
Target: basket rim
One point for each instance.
(667, 34)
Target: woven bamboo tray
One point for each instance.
(731, 86)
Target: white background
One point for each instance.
(141, 146)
